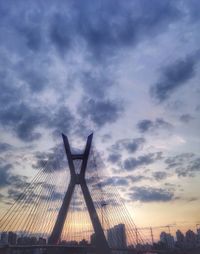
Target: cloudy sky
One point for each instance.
(126, 70)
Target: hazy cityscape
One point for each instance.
(100, 127)
(116, 238)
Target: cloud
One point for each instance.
(143, 160)
(31, 32)
(8, 179)
(96, 83)
(61, 120)
(1, 197)
(54, 160)
(151, 194)
(10, 92)
(4, 175)
(22, 120)
(53, 196)
(137, 178)
(184, 165)
(98, 37)
(18, 181)
(4, 147)
(106, 137)
(173, 77)
(120, 26)
(100, 112)
(147, 125)
(60, 32)
(114, 157)
(130, 145)
(160, 175)
(82, 25)
(13, 194)
(36, 80)
(186, 118)
(119, 181)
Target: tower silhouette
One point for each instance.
(79, 179)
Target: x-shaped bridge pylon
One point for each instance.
(79, 178)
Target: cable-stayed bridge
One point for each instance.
(67, 208)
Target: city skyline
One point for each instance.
(116, 237)
(127, 71)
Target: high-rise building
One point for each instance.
(198, 236)
(12, 238)
(117, 236)
(180, 239)
(191, 239)
(180, 236)
(4, 237)
(42, 240)
(167, 239)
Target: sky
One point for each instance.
(127, 71)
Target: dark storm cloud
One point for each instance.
(13, 194)
(179, 159)
(53, 160)
(120, 182)
(15, 115)
(4, 175)
(61, 32)
(100, 112)
(41, 29)
(53, 196)
(117, 181)
(33, 196)
(106, 137)
(4, 147)
(193, 167)
(103, 27)
(35, 80)
(22, 120)
(137, 178)
(149, 125)
(186, 118)
(8, 179)
(61, 120)
(121, 24)
(18, 181)
(160, 175)
(9, 91)
(130, 145)
(114, 157)
(143, 160)
(174, 76)
(151, 194)
(186, 164)
(96, 84)
(31, 32)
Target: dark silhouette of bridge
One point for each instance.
(41, 210)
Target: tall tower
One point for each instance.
(79, 178)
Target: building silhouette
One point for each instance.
(12, 238)
(4, 237)
(117, 236)
(180, 239)
(191, 239)
(167, 239)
